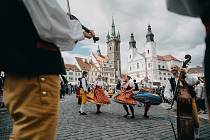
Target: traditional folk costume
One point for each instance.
(98, 95)
(125, 97)
(83, 94)
(32, 62)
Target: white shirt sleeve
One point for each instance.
(168, 91)
(84, 86)
(53, 24)
(190, 80)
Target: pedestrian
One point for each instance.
(136, 87)
(125, 96)
(200, 97)
(32, 62)
(118, 86)
(196, 8)
(100, 98)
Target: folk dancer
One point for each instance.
(125, 96)
(100, 98)
(83, 92)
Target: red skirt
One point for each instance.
(99, 97)
(125, 98)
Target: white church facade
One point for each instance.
(148, 66)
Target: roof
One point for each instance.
(167, 58)
(100, 58)
(83, 63)
(197, 69)
(71, 67)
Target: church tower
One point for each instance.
(113, 50)
(151, 55)
(150, 45)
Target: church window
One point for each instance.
(148, 51)
(137, 65)
(110, 48)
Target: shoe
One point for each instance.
(98, 112)
(146, 116)
(132, 117)
(83, 113)
(126, 116)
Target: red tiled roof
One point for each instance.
(100, 58)
(197, 69)
(83, 63)
(167, 58)
(71, 67)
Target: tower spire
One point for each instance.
(113, 27)
(108, 36)
(118, 34)
(98, 51)
(149, 35)
(132, 42)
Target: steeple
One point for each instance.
(149, 35)
(118, 34)
(113, 28)
(132, 42)
(108, 36)
(98, 51)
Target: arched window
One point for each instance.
(110, 48)
(130, 56)
(148, 51)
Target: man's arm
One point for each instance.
(190, 80)
(168, 91)
(53, 24)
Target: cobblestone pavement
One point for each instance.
(110, 125)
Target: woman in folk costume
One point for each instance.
(125, 95)
(99, 95)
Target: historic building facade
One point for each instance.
(148, 66)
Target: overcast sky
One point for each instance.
(174, 34)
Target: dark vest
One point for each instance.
(22, 50)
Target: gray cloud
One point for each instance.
(174, 34)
